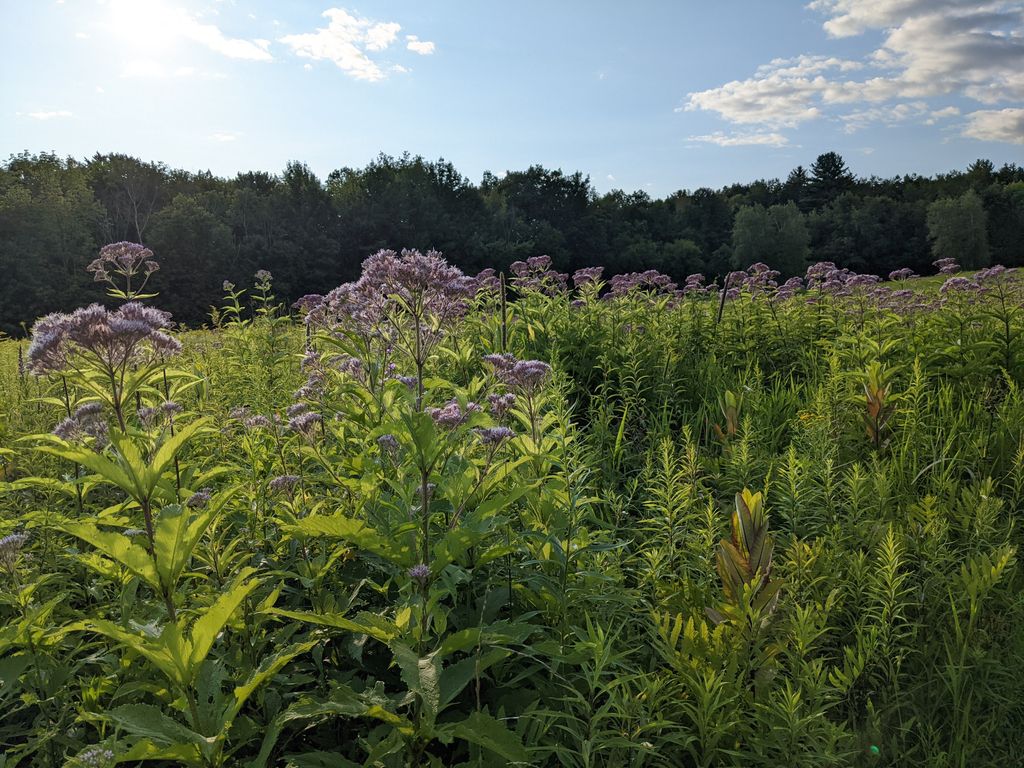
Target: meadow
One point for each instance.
(437, 520)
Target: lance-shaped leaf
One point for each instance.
(208, 626)
(119, 548)
(491, 734)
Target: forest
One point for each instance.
(312, 233)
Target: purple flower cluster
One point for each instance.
(958, 285)
(524, 375)
(283, 483)
(994, 273)
(304, 422)
(536, 274)
(906, 273)
(946, 266)
(115, 340)
(501, 403)
(494, 435)
(487, 281)
(420, 573)
(199, 499)
(263, 278)
(10, 549)
(452, 415)
(87, 421)
(124, 259)
(587, 276)
(424, 287)
(694, 284)
(388, 444)
(95, 757)
(827, 278)
(308, 303)
(651, 281)
(150, 416)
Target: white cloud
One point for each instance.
(153, 22)
(347, 40)
(942, 114)
(82, 35)
(889, 115)
(610, 177)
(380, 36)
(931, 50)
(422, 47)
(996, 125)
(852, 17)
(223, 136)
(783, 93)
(47, 114)
(722, 139)
(99, 89)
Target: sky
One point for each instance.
(652, 96)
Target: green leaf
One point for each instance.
(356, 532)
(166, 453)
(484, 731)
(318, 760)
(364, 623)
(267, 669)
(210, 624)
(457, 676)
(117, 547)
(147, 721)
(422, 675)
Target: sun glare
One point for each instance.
(148, 23)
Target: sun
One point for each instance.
(145, 23)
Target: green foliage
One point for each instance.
(787, 537)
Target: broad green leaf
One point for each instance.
(209, 625)
(484, 731)
(117, 547)
(457, 676)
(147, 721)
(267, 669)
(422, 675)
(148, 647)
(364, 623)
(356, 532)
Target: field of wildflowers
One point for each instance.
(429, 519)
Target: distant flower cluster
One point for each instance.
(86, 422)
(126, 260)
(536, 274)
(587, 276)
(151, 416)
(113, 339)
(424, 285)
(652, 281)
(10, 550)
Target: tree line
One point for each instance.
(312, 233)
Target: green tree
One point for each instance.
(194, 247)
(776, 236)
(829, 179)
(50, 229)
(957, 229)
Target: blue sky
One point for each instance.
(656, 96)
